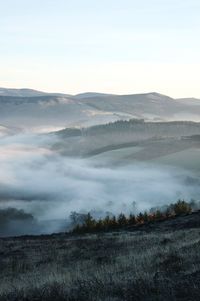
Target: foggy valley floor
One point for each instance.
(103, 168)
(158, 261)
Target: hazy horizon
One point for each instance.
(94, 91)
(110, 46)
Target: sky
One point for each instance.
(112, 46)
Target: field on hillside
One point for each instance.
(166, 152)
(161, 264)
(188, 159)
(116, 156)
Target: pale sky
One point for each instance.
(113, 46)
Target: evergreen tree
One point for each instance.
(145, 217)
(158, 215)
(107, 222)
(140, 218)
(89, 222)
(131, 219)
(113, 222)
(122, 221)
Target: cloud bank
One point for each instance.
(49, 186)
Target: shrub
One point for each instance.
(182, 207)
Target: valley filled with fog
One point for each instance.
(93, 152)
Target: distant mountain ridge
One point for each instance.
(20, 92)
(25, 92)
(27, 108)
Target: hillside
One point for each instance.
(25, 93)
(150, 263)
(125, 141)
(34, 109)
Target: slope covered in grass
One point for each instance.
(160, 263)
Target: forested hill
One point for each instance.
(173, 128)
(156, 138)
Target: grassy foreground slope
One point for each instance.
(161, 262)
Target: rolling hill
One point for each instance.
(32, 109)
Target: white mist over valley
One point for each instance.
(95, 153)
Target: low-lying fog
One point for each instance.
(48, 186)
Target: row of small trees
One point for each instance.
(90, 224)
